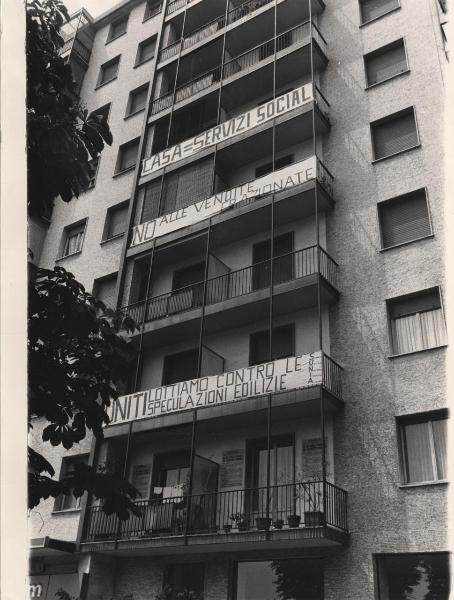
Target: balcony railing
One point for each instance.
(242, 62)
(176, 5)
(316, 503)
(286, 268)
(76, 47)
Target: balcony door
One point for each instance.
(187, 288)
(282, 267)
(170, 485)
(180, 367)
(282, 474)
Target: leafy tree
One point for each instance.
(78, 351)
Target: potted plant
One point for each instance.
(263, 523)
(313, 502)
(278, 523)
(294, 521)
(227, 527)
(240, 520)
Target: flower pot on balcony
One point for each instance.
(263, 523)
(313, 518)
(278, 524)
(242, 526)
(294, 521)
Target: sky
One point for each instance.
(94, 7)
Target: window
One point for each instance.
(116, 221)
(137, 100)
(104, 290)
(279, 163)
(152, 8)
(108, 71)
(283, 344)
(103, 111)
(373, 9)
(423, 447)
(117, 28)
(146, 50)
(295, 578)
(417, 576)
(417, 322)
(282, 263)
(386, 62)
(69, 502)
(394, 134)
(185, 576)
(127, 156)
(404, 219)
(180, 367)
(73, 238)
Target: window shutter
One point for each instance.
(372, 9)
(425, 301)
(405, 219)
(386, 64)
(109, 71)
(188, 186)
(117, 221)
(105, 291)
(138, 99)
(395, 135)
(151, 201)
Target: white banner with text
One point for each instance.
(230, 129)
(277, 181)
(274, 377)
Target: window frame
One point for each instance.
(425, 417)
(390, 301)
(384, 248)
(121, 148)
(100, 83)
(382, 50)
(364, 23)
(109, 212)
(60, 499)
(64, 238)
(138, 61)
(391, 117)
(144, 86)
(121, 19)
(99, 281)
(150, 16)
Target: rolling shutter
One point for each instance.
(117, 221)
(395, 135)
(427, 300)
(151, 195)
(404, 219)
(385, 64)
(187, 186)
(372, 9)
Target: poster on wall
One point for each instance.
(230, 129)
(277, 181)
(274, 377)
(232, 468)
(141, 479)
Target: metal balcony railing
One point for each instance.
(287, 267)
(315, 504)
(243, 62)
(176, 5)
(76, 47)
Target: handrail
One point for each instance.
(317, 503)
(286, 267)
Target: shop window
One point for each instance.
(386, 62)
(117, 28)
(418, 576)
(180, 367)
(108, 71)
(404, 219)
(146, 50)
(73, 238)
(127, 156)
(69, 502)
(283, 344)
(423, 447)
(187, 578)
(297, 579)
(116, 221)
(373, 9)
(417, 322)
(394, 134)
(104, 290)
(137, 100)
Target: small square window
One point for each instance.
(404, 219)
(417, 322)
(108, 71)
(423, 447)
(394, 134)
(415, 575)
(104, 289)
(152, 9)
(146, 50)
(69, 502)
(116, 221)
(137, 100)
(373, 9)
(117, 28)
(385, 63)
(127, 156)
(73, 239)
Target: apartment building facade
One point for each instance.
(271, 215)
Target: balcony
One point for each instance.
(247, 63)
(263, 513)
(300, 268)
